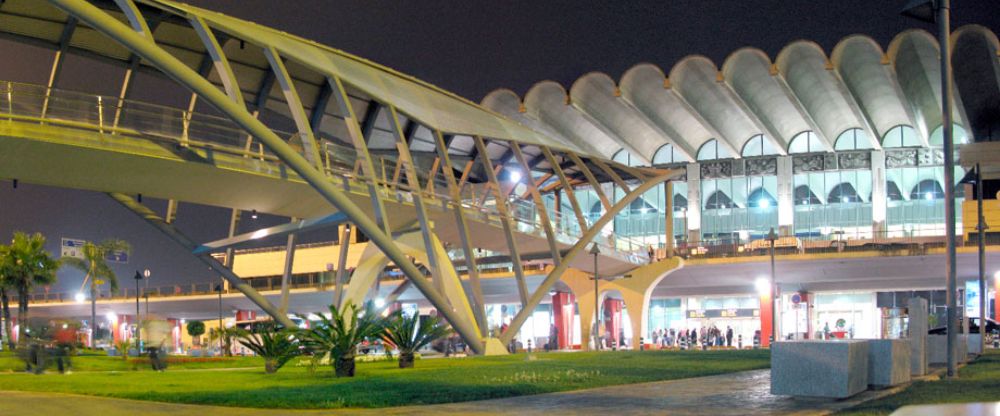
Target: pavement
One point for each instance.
(742, 393)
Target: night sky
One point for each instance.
(470, 48)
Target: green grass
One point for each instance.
(381, 384)
(10, 363)
(977, 382)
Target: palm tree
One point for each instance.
(408, 334)
(338, 336)
(26, 264)
(5, 297)
(274, 344)
(95, 264)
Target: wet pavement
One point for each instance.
(743, 393)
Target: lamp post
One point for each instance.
(218, 288)
(771, 237)
(597, 298)
(939, 11)
(981, 228)
(138, 328)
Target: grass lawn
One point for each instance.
(92, 362)
(977, 382)
(381, 384)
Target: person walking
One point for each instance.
(729, 336)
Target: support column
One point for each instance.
(668, 209)
(245, 315)
(786, 197)
(879, 196)
(766, 310)
(613, 320)
(562, 310)
(996, 298)
(693, 213)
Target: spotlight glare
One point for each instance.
(514, 175)
(80, 297)
(763, 286)
(929, 196)
(379, 302)
(763, 203)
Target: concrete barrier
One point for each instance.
(917, 313)
(888, 362)
(937, 346)
(834, 369)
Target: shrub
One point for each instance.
(275, 345)
(339, 335)
(408, 334)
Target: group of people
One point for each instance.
(709, 337)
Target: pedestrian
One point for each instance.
(652, 254)
(729, 336)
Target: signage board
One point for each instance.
(71, 247)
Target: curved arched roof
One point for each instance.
(857, 85)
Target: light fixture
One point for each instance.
(763, 286)
(845, 199)
(80, 297)
(379, 302)
(763, 203)
(253, 214)
(644, 210)
(929, 196)
(112, 316)
(146, 273)
(513, 175)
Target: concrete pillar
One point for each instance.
(562, 310)
(996, 298)
(693, 213)
(613, 320)
(917, 314)
(879, 196)
(766, 309)
(668, 210)
(786, 197)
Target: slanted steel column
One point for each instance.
(173, 67)
(543, 214)
(174, 234)
(295, 107)
(505, 219)
(57, 60)
(581, 244)
(611, 172)
(567, 188)
(360, 143)
(286, 274)
(479, 304)
(591, 179)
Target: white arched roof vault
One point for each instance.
(915, 57)
(597, 95)
(696, 78)
(645, 86)
(508, 103)
(976, 64)
(748, 71)
(865, 71)
(548, 102)
(810, 75)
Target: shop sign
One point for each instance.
(723, 313)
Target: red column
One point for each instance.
(245, 315)
(562, 310)
(766, 309)
(175, 334)
(613, 318)
(996, 298)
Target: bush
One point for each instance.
(275, 345)
(338, 337)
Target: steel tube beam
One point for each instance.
(174, 234)
(345, 245)
(567, 188)
(543, 213)
(286, 274)
(297, 226)
(591, 179)
(177, 70)
(581, 244)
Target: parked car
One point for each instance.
(991, 326)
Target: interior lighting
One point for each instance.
(513, 175)
(112, 316)
(379, 302)
(845, 199)
(253, 214)
(929, 196)
(763, 286)
(80, 297)
(763, 203)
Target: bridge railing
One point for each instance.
(115, 116)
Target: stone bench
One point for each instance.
(834, 369)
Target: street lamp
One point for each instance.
(138, 326)
(218, 288)
(939, 11)
(771, 237)
(597, 308)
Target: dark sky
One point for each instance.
(471, 48)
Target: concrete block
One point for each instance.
(938, 344)
(834, 369)
(974, 344)
(888, 362)
(917, 318)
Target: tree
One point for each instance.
(338, 336)
(274, 344)
(408, 334)
(24, 265)
(227, 336)
(8, 327)
(95, 264)
(195, 329)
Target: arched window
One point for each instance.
(758, 145)
(640, 206)
(900, 136)
(624, 157)
(719, 200)
(928, 189)
(853, 139)
(759, 198)
(711, 151)
(843, 194)
(957, 132)
(667, 154)
(805, 196)
(892, 192)
(806, 142)
(680, 202)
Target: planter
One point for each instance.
(406, 360)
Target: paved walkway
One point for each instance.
(744, 393)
